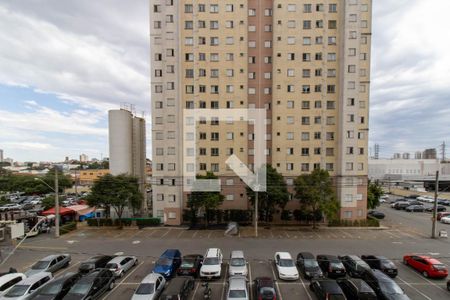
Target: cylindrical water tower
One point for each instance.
(120, 142)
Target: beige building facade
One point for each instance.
(306, 62)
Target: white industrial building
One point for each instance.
(127, 147)
(402, 168)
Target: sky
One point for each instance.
(64, 64)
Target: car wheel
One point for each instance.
(135, 262)
(121, 274)
(111, 285)
(425, 274)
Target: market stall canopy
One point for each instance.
(63, 211)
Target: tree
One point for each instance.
(316, 194)
(374, 192)
(275, 196)
(49, 202)
(204, 200)
(117, 192)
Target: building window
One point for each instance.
(347, 214)
(305, 167)
(332, 8)
(291, 7)
(305, 136)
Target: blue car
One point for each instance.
(168, 263)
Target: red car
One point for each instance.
(442, 214)
(428, 266)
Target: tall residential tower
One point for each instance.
(306, 62)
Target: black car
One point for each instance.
(58, 288)
(448, 285)
(92, 286)
(95, 262)
(190, 265)
(331, 266)
(401, 205)
(307, 264)
(439, 208)
(326, 289)
(265, 288)
(376, 214)
(381, 263)
(356, 289)
(414, 208)
(354, 265)
(178, 288)
(383, 285)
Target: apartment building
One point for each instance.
(305, 62)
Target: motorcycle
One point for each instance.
(207, 291)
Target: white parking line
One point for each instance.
(167, 232)
(180, 234)
(195, 233)
(425, 296)
(123, 279)
(276, 281)
(195, 290)
(209, 234)
(304, 286)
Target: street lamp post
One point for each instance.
(56, 189)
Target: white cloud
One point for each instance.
(31, 146)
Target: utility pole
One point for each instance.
(433, 233)
(56, 204)
(256, 213)
(389, 184)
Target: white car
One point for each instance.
(286, 266)
(150, 287)
(238, 264)
(26, 288)
(445, 220)
(7, 281)
(212, 264)
(237, 288)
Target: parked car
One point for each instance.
(381, 263)
(121, 264)
(150, 287)
(264, 288)
(92, 286)
(326, 289)
(428, 266)
(238, 264)
(285, 266)
(356, 289)
(308, 265)
(445, 220)
(441, 215)
(212, 264)
(331, 266)
(57, 288)
(401, 205)
(354, 265)
(448, 285)
(376, 214)
(415, 208)
(94, 262)
(51, 263)
(27, 287)
(439, 208)
(190, 265)
(10, 206)
(178, 288)
(9, 280)
(237, 288)
(415, 202)
(168, 263)
(385, 287)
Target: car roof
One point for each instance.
(53, 256)
(358, 283)
(237, 282)
(151, 278)
(380, 275)
(307, 255)
(237, 254)
(212, 252)
(7, 277)
(330, 286)
(329, 256)
(36, 277)
(118, 259)
(91, 276)
(284, 255)
(170, 253)
(95, 258)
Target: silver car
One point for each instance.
(26, 288)
(150, 287)
(119, 265)
(237, 288)
(238, 264)
(51, 263)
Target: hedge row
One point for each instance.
(220, 216)
(66, 228)
(141, 222)
(369, 222)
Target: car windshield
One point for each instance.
(266, 291)
(17, 291)
(237, 294)
(51, 289)
(389, 287)
(111, 266)
(164, 261)
(237, 262)
(87, 266)
(211, 261)
(187, 263)
(286, 263)
(387, 264)
(336, 265)
(80, 288)
(311, 263)
(145, 289)
(439, 266)
(40, 265)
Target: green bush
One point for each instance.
(66, 228)
(92, 222)
(149, 222)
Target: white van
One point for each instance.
(9, 280)
(212, 264)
